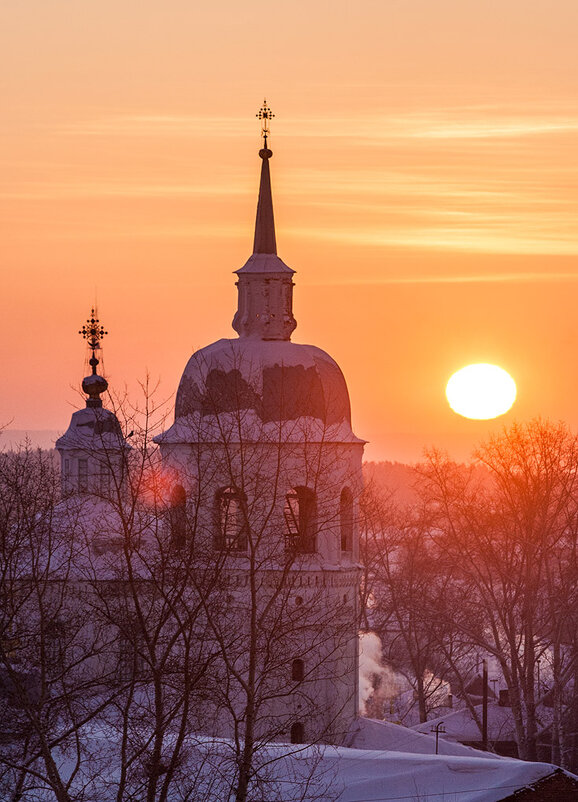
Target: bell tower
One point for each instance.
(268, 477)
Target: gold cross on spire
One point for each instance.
(93, 333)
(265, 115)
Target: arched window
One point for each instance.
(178, 516)
(346, 519)
(297, 670)
(301, 520)
(231, 519)
(297, 733)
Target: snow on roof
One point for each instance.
(367, 733)
(280, 380)
(460, 725)
(379, 776)
(92, 430)
(230, 427)
(264, 263)
(340, 774)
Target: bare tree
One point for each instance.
(510, 535)
(186, 602)
(48, 693)
(269, 501)
(408, 593)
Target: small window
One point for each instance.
(297, 670)
(130, 653)
(104, 480)
(297, 733)
(178, 516)
(231, 520)
(301, 520)
(346, 519)
(83, 475)
(54, 645)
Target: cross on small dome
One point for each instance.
(94, 385)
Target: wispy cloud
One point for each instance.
(493, 124)
(135, 125)
(451, 122)
(117, 189)
(480, 179)
(486, 278)
(481, 239)
(490, 278)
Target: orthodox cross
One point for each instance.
(265, 115)
(93, 333)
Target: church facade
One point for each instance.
(264, 476)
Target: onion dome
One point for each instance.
(93, 429)
(280, 381)
(94, 386)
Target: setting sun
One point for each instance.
(481, 391)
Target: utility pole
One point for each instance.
(439, 727)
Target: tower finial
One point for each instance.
(93, 333)
(264, 241)
(94, 384)
(265, 115)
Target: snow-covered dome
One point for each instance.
(262, 373)
(92, 429)
(278, 379)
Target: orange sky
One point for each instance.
(425, 188)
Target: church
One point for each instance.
(261, 476)
(186, 603)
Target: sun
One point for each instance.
(481, 391)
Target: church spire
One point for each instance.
(265, 285)
(265, 223)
